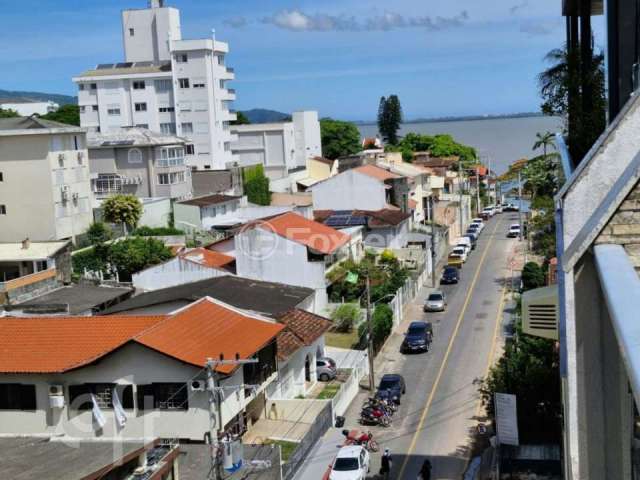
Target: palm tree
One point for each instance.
(544, 140)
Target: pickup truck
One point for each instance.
(454, 261)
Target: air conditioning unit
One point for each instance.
(198, 385)
(540, 312)
(64, 194)
(61, 157)
(56, 396)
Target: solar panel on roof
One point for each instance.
(104, 66)
(124, 65)
(143, 64)
(342, 212)
(354, 221)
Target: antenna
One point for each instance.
(156, 3)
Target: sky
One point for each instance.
(442, 58)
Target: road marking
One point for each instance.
(425, 412)
(494, 342)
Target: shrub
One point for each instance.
(346, 316)
(122, 209)
(533, 276)
(256, 185)
(382, 320)
(135, 254)
(145, 231)
(98, 232)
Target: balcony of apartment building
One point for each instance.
(228, 94)
(106, 184)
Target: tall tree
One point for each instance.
(122, 209)
(256, 185)
(564, 87)
(389, 118)
(69, 114)
(544, 140)
(339, 138)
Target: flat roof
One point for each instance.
(130, 68)
(14, 252)
(132, 137)
(207, 200)
(39, 458)
(78, 298)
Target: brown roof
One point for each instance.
(377, 172)
(326, 161)
(204, 329)
(375, 218)
(209, 200)
(302, 328)
(208, 258)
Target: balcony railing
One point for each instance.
(230, 70)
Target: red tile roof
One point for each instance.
(302, 328)
(301, 230)
(377, 172)
(208, 258)
(203, 329)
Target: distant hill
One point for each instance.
(262, 115)
(12, 96)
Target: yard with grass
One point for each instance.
(342, 340)
(286, 448)
(329, 391)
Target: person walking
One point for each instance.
(425, 471)
(387, 463)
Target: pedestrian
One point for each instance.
(425, 471)
(385, 468)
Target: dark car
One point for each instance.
(417, 338)
(472, 238)
(391, 387)
(450, 275)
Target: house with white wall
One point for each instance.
(61, 375)
(27, 108)
(165, 84)
(291, 249)
(199, 213)
(55, 202)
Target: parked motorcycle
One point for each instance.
(375, 416)
(355, 437)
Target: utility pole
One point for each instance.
(370, 339)
(215, 410)
(432, 234)
(460, 191)
(520, 204)
(478, 206)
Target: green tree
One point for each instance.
(389, 118)
(69, 114)
(346, 316)
(241, 119)
(135, 254)
(98, 232)
(8, 113)
(256, 185)
(577, 93)
(382, 323)
(544, 140)
(122, 209)
(532, 276)
(339, 138)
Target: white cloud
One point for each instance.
(298, 21)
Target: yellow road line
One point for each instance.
(494, 341)
(425, 412)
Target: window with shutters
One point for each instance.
(17, 396)
(163, 396)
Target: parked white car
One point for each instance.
(351, 463)
(514, 231)
(464, 242)
(459, 252)
(490, 211)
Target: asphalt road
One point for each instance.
(441, 405)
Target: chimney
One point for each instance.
(26, 243)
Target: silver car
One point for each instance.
(326, 369)
(435, 302)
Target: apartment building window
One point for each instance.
(203, 149)
(168, 128)
(170, 178)
(163, 396)
(182, 58)
(183, 82)
(166, 109)
(132, 32)
(220, 59)
(141, 107)
(227, 146)
(222, 83)
(94, 108)
(107, 183)
(82, 109)
(2, 177)
(3, 209)
(189, 149)
(163, 85)
(134, 155)
(81, 86)
(93, 86)
(142, 125)
(113, 111)
(171, 157)
(199, 82)
(185, 106)
(139, 85)
(187, 128)
(17, 396)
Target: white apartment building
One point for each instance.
(166, 84)
(44, 180)
(281, 147)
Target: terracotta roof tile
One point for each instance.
(288, 344)
(305, 325)
(201, 330)
(299, 229)
(208, 258)
(377, 172)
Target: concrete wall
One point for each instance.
(308, 143)
(152, 29)
(291, 373)
(156, 212)
(184, 216)
(349, 190)
(176, 271)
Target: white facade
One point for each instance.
(135, 365)
(167, 85)
(44, 182)
(176, 271)
(349, 190)
(279, 147)
(26, 109)
(291, 382)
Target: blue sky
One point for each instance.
(459, 57)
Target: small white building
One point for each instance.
(291, 249)
(45, 191)
(199, 213)
(28, 108)
(280, 147)
(166, 84)
(61, 375)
